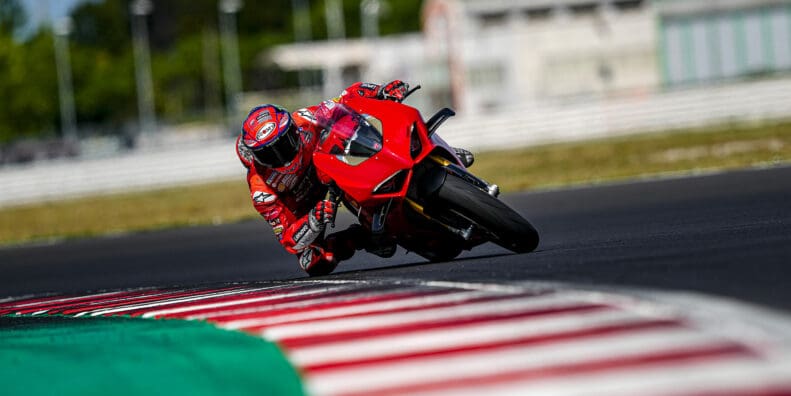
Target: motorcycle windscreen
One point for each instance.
(350, 136)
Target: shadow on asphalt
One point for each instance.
(413, 264)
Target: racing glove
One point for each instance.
(312, 229)
(394, 90)
(323, 213)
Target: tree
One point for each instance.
(12, 17)
(27, 85)
(183, 38)
(102, 26)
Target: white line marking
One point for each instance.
(355, 309)
(223, 304)
(91, 306)
(297, 304)
(423, 370)
(477, 334)
(428, 315)
(178, 300)
(488, 287)
(9, 299)
(62, 300)
(734, 376)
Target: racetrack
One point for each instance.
(576, 317)
(724, 234)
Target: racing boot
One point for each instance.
(465, 156)
(317, 261)
(382, 246)
(344, 243)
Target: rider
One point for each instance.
(276, 148)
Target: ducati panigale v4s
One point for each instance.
(407, 186)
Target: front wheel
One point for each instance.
(506, 227)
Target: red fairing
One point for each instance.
(379, 176)
(285, 196)
(360, 89)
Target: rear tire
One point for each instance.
(507, 227)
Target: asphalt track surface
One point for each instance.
(725, 234)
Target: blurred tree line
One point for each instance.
(185, 58)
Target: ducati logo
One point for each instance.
(265, 131)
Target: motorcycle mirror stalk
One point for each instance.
(406, 95)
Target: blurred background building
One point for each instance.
(519, 72)
(483, 55)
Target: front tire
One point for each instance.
(507, 227)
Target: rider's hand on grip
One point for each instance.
(394, 90)
(323, 213)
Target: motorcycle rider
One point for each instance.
(276, 147)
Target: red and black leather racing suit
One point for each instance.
(285, 196)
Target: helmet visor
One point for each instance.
(281, 151)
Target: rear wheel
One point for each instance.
(505, 226)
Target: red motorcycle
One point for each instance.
(406, 185)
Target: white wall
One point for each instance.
(559, 121)
(515, 127)
(591, 54)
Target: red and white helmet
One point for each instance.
(271, 135)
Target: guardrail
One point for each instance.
(519, 126)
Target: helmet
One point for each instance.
(271, 135)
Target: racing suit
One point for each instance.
(286, 196)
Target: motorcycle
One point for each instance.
(406, 185)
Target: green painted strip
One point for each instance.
(127, 356)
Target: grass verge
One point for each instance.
(728, 147)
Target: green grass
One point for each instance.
(151, 210)
(728, 147)
(636, 156)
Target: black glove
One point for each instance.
(394, 90)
